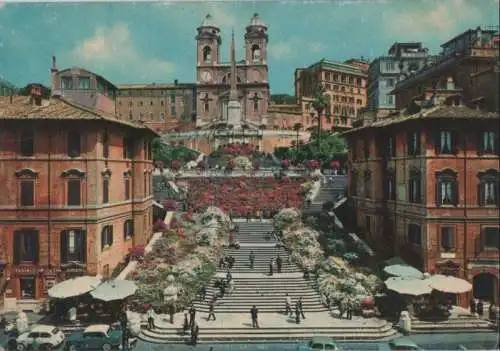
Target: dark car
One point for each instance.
(95, 337)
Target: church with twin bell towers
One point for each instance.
(235, 92)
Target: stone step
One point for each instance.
(294, 294)
(294, 332)
(245, 308)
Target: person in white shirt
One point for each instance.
(150, 314)
(288, 305)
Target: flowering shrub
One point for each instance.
(190, 260)
(230, 165)
(285, 164)
(334, 164)
(175, 165)
(287, 218)
(237, 149)
(242, 162)
(313, 164)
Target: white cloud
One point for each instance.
(280, 50)
(317, 47)
(111, 49)
(221, 16)
(433, 17)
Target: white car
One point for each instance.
(46, 337)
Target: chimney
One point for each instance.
(54, 73)
(36, 95)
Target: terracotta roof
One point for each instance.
(55, 109)
(437, 112)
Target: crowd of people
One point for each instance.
(261, 197)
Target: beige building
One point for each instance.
(345, 84)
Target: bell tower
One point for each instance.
(256, 41)
(208, 43)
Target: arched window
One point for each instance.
(207, 54)
(106, 237)
(447, 188)
(255, 53)
(74, 178)
(73, 246)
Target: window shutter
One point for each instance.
(83, 236)
(480, 194)
(36, 245)
(455, 192)
(64, 246)
(437, 142)
(17, 247)
(103, 238)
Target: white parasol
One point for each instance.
(449, 284)
(74, 287)
(408, 286)
(403, 270)
(114, 290)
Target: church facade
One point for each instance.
(214, 76)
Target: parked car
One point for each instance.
(95, 337)
(400, 344)
(319, 343)
(45, 337)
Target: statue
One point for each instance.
(170, 297)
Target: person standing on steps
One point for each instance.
(297, 313)
(251, 258)
(288, 305)
(185, 326)
(271, 264)
(151, 318)
(211, 312)
(192, 316)
(472, 306)
(194, 333)
(279, 263)
(301, 309)
(203, 293)
(254, 313)
(229, 276)
(480, 309)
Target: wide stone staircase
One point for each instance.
(256, 287)
(331, 189)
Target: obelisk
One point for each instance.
(234, 106)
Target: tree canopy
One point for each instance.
(167, 153)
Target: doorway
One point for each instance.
(485, 287)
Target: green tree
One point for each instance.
(166, 153)
(320, 103)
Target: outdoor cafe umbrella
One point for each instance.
(74, 287)
(114, 290)
(408, 286)
(449, 284)
(402, 270)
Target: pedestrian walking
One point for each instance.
(194, 333)
(254, 313)
(231, 262)
(222, 263)
(185, 326)
(480, 309)
(192, 316)
(279, 263)
(271, 263)
(472, 306)
(349, 312)
(301, 308)
(150, 314)
(288, 305)
(229, 276)
(230, 287)
(297, 313)
(251, 259)
(211, 312)
(203, 293)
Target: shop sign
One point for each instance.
(25, 270)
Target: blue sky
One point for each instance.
(146, 42)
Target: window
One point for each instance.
(391, 185)
(105, 190)
(128, 229)
(389, 99)
(162, 103)
(151, 116)
(368, 184)
(74, 144)
(389, 83)
(130, 103)
(207, 54)
(491, 238)
(489, 143)
(354, 183)
(358, 82)
(73, 246)
(173, 111)
(489, 189)
(74, 192)
(414, 235)
(105, 145)
(389, 66)
(413, 143)
(27, 143)
(27, 190)
(28, 290)
(447, 239)
(84, 83)
(151, 103)
(391, 146)
(162, 116)
(447, 188)
(336, 77)
(106, 237)
(26, 246)
(415, 187)
(445, 142)
(128, 147)
(127, 188)
(141, 103)
(66, 82)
